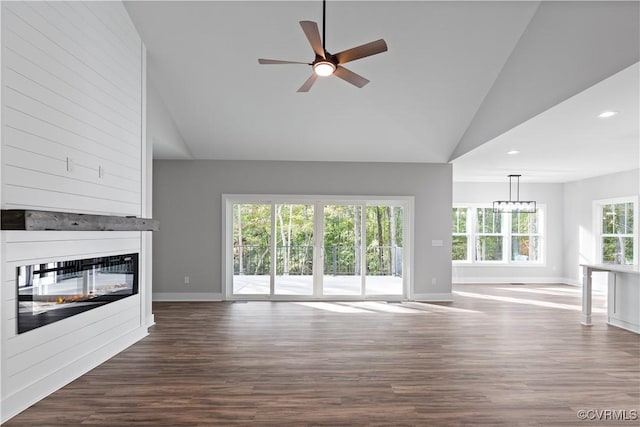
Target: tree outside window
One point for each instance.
(617, 233)
(480, 235)
(460, 239)
(489, 237)
(525, 236)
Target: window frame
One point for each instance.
(466, 234)
(228, 200)
(540, 235)
(598, 206)
(506, 234)
(477, 234)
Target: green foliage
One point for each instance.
(617, 250)
(488, 221)
(617, 230)
(524, 223)
(488, 248)
(294, 239)
(487, 237)
(251, 239)
(459, 248)
(459, 226)
(459, 220)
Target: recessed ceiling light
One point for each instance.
(513, 152)
(606, 114)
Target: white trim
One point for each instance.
(597, 206)
(14, 404)
(506, 234)
(407, 202)
(441, 297)
(506, 280)
(227, 242)
(3, 406)
(151, 320)
(495, 264)
(187, 296)
(376, 200)
(2, 237)
(409, 259)
(146, 191)
(572, 282)
(624, 325)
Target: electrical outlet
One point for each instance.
(433, 280)
(186, 280)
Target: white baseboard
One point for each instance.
(444, 297)
(187, 296)
(505, 280)
(572, 282)
(17, 402)
(624, 325)
(151, 320)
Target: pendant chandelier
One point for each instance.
(514, 206)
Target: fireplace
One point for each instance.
(54, 291)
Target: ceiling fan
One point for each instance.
(326, 63)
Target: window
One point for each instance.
(617, 231)
(489, 239)
(460, 241)
(485, 237)
(525, 237)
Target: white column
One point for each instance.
(586, 295)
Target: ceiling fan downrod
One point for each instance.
(324, 26)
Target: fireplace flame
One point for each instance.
(63, 299)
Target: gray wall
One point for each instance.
(550, 195)
(188, 202)
(579, 241)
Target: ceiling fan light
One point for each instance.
(324, 68)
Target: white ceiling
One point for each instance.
(443, 60)
(569, 141)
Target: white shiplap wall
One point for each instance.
(72, 93)
(72, 120)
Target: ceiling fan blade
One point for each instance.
(277, 61)
(350, 76)
(361, 51)
(307, 85)
(310, 29)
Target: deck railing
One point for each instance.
(339, 260)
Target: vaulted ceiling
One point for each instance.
(458, 81)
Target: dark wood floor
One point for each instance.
(519, 359)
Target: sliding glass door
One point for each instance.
(294, 249)
(316, 249)
(251, 249)
(384, 255)
(342, 250)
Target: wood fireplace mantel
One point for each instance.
(32, 220)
